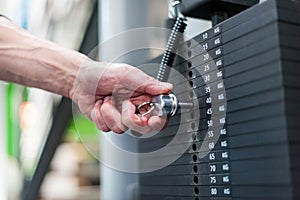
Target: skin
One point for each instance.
(106, 93)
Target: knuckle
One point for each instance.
(118, 131)
(105, 129)
(105, 110)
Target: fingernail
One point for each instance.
(106, 99)
(166, 85)
(98, 103)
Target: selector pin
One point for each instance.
(163, 105)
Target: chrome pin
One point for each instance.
(163, 105)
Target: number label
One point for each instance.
(206, 78)
(211, 145)
(213, 180)
(208, 100)
(213, 168)
(206, 68)
(205, 46)
(209, 111)
(213, 191)
(207, 89)
(212, 156)
(210, 123)
(210, 134)
(205, 57)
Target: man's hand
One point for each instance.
(109, 93)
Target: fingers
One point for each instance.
(107, 117)
(112, 117)
(98, 118)
(133, 121)
(140, 124)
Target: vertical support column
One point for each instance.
(116, 16)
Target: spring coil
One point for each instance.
(172, 45)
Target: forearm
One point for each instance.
(28, 60)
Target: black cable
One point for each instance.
(172, 46)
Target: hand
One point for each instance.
(109, 93)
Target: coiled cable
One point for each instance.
(172, 46)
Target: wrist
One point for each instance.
(71, 70)
(87, 81)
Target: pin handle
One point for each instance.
(145, 108)
(162, 105)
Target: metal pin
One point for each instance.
(185, 105)
(163, 105)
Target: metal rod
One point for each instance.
(185, 105)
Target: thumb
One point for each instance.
(157, 87)
(141, 82)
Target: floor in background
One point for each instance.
(74, 175)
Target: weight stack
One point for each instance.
(248, 69)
